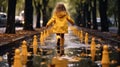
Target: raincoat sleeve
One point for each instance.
(51, 21)
(70, 20)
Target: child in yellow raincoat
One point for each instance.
(59, 20)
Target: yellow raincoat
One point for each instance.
(60, 22)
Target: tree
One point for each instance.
(45, 17)
(28, 25)
(20, 6)
(88, 13)
(3, 5)
(112, 10)
(103, 15)
(82, 13)
(78, 15)
(10, 27)
(95, 26)
(118, 17)
(118, 3)
(38, 7)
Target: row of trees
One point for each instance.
(89, 10)
(86, 12)
(40, 8)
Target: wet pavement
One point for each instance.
(73, 49)
(71, 41)
(72, 44)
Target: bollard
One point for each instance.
(24, 52)
(81, 36)
(86, 38)
(105, 57)
(93, 49)
(86, 41)
(17, 59)
(44, 35)
(35, 45)
(41, 39)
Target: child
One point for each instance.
(60, 20)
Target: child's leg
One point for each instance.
(62, 39)
(58, 43)
(62, 44)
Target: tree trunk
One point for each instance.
(95, 26)
(10, 27)
(45, 17)
(118, 3)
(88, 14)
(28, 15)
(38, 18)
(103, 15)
(78, 16)
(118, 17)
(115, 19)
(84, 15)
(38, 12)
(77, 19)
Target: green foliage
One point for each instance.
(19, 6)
(112, 7)
(70, 5)
(72, 8)
(3, 5)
